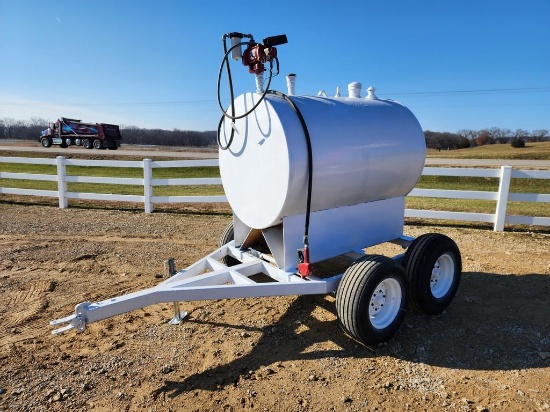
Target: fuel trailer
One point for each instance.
(310, 178)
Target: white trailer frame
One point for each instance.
(209, 278)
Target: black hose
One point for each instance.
(232, 116)
(309, 160)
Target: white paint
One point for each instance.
(363, 150)
(354, 90)
(370, 93)
(290, 84)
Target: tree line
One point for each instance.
(495, 135)
(30, 129)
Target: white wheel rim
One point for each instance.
(443, 274)
(385, 303)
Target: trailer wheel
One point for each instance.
(227, 235)
(371, 300)
(86, 144)
(46, 142)
(98, 144)
(433, 265)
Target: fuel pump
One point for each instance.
(255, 56)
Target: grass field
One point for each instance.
(533, 151)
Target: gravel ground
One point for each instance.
(489, 351)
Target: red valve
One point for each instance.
(256, 55)
(304, 265)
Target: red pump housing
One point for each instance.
(256, 55)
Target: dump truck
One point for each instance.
(67, 132)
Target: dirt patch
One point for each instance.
(488, 351)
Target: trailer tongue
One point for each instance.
(311, 178)
(207, 279)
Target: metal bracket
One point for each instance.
(76, 321)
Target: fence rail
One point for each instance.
(499, 218)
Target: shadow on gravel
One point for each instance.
(496, 322)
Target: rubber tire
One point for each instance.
(68, 141)
(86, 144)
(46, 142)
(98, 144)
(419, 262)
(355, 292)
(113, 148)
(227, 235)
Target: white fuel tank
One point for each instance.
(364, 149)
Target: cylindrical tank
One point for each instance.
(363, 150)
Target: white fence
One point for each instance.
(499, 218)
(502, 196)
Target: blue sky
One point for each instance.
(456, 64)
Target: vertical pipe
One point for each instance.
(354, 89)
(290, 83)
(259, 83)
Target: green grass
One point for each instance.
(480, 184)
(489, 184)
(164, 173)
(426, 182)
(477, 206)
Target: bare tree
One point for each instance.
(469, 134)
(539, 135)
(484, 137)
(500, 135)
(522, 134)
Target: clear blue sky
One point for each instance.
(468, 64)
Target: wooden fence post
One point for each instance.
(61, 182)
(147, 186)
(502, 202)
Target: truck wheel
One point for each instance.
(98, 144)
(46, 142)
(68, 141)
(86, 144)
(227, 235)
(371, 300)
(433, 265)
